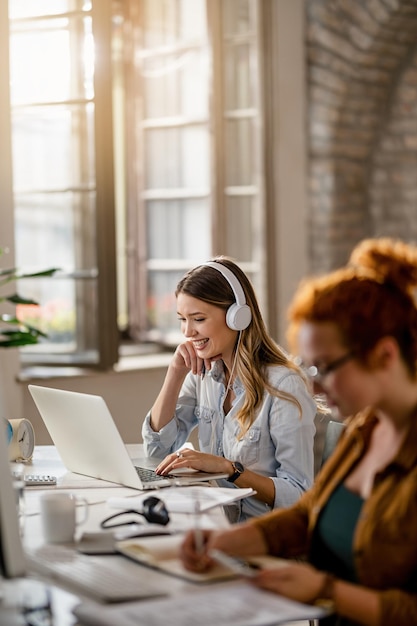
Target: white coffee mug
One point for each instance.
(59, 516)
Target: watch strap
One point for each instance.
(239, 469)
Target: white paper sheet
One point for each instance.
(183, 499)
(224, 605)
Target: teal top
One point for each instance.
(332, 546)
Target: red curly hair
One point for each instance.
(372, 297)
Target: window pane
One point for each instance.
(177, 157)
(167, 22)
(162, 308)
(176, 84)
(236, 16)
(238, 89)
(62, 49)
(55, 230)
(179, 229)
(53, 147)
(33, 8)
(240, 158)
(54, 315)
(70, 328)
(241, 231)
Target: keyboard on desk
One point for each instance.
(90, 575)
(149, 475)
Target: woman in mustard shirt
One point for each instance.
(356, 331)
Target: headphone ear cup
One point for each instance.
(155, 511)
(238, 316)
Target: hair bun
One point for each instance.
(391, 260)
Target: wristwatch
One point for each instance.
(239, 469)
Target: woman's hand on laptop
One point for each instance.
(195, 460)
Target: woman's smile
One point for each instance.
(200, 344)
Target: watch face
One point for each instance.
(239, 467)
(25, 439)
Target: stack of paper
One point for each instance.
(183, 499)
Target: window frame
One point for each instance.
(219, 192)
(279, 254)
(99, 351)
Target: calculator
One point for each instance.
(39, 480)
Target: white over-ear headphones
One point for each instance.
(238, 315)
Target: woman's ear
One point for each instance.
(384, 353)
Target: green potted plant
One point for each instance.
(14, 332)
(17, 333)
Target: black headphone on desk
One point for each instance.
(154, 511)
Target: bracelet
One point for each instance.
(325, 597)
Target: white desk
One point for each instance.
(97, 493)
(47, 461)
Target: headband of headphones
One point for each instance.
(239, 315)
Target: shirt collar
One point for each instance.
(406, 457)
(217, 373)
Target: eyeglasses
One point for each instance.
(319, 372)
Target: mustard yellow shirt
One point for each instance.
(385, 538)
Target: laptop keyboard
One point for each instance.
(91, 575)
(148, 475)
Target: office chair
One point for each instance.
(333, 432)
(331, 437)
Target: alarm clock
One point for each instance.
(9, 430)
(22, 443)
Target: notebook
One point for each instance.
(88, 442)
(163, 553)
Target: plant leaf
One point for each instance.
(49, 272)
(11, 274)
(23, 328)
(21, 334)
(16, 299)
(17, 339)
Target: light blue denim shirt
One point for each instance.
(279, 443)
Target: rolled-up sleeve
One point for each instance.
(174, 434)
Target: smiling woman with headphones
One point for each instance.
(229, 379)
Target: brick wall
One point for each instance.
(362, 124)
(393, 183)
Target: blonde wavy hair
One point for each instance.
(255, 348)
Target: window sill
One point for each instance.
(126, 363)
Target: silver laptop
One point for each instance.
(88, 442)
